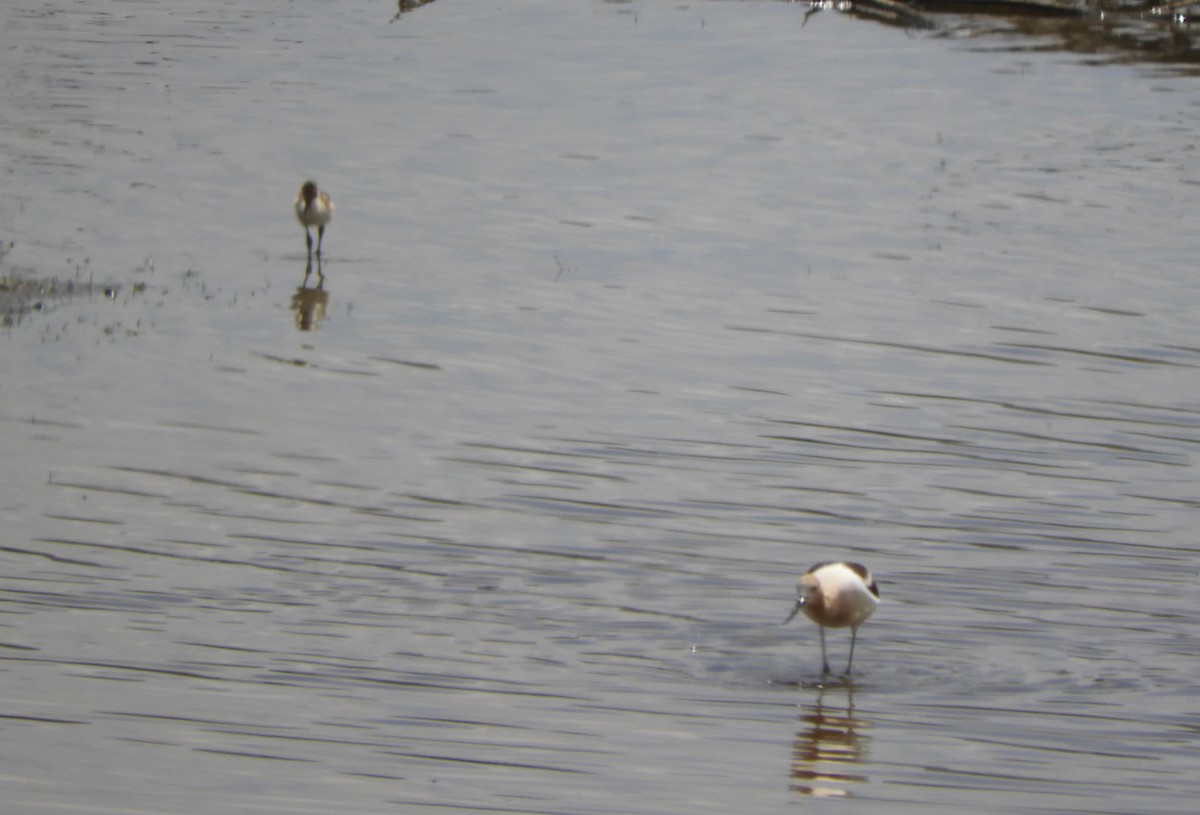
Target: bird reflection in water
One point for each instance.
(828, 744)
(310, 304)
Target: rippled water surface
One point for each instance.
(630, 312)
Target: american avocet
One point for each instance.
(836, 595)
(313, 208)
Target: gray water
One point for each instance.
(631, 312)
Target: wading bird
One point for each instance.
(313, 208)
(836, 595)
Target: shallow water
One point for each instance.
(631, 312)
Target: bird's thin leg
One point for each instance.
(853, 637)
(824, 661)
(308, 240)
(320, 238)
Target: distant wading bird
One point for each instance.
(836, 595)
(313, 208)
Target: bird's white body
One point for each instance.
(836, 595)
(316, 212)
(313, 208)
